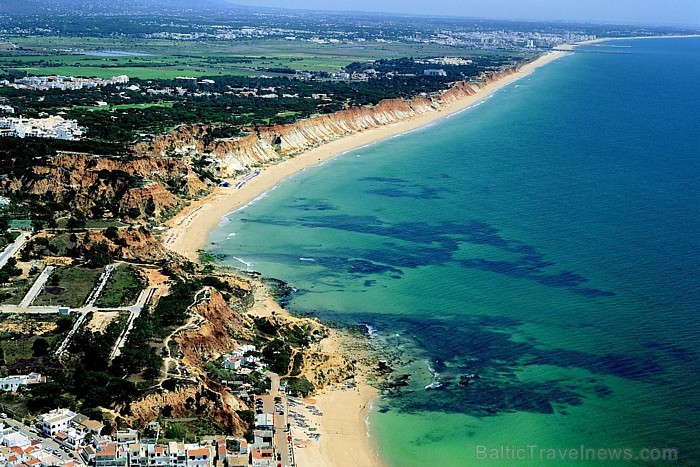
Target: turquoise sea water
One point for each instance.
(547, 240)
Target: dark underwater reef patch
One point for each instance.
(483, 346)
(421, 193)
(436, 243)
(488, 398)
(383, 180)
(306, 204)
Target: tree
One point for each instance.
(112, 232)
(98, 255)
(63, 324)
(75, 223)
(40, 347)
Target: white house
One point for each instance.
(440, 72)
(57, 420)
(13, 382)
(238, 358)
(198, 456)
(15, 439)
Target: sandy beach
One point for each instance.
(569, 47)
(344, 439)
(337, 413)
(190, 229)
(340, 417)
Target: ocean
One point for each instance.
(546, 241)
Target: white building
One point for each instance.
(126, 437)
(172, 454)
(198, 456)
(12, 383)
(238, 358)
(434, 72)
(15, 438)
(50, 127)
(57, 420)
(263, 458)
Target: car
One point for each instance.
(16, 427)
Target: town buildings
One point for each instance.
(64, 83)
(50, 127)
(241, 357)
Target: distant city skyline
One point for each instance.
(642, 12)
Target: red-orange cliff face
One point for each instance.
(167, 171)
(222, 330)
(265, 144)
(121, 187)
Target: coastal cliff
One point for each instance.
(228, 157)
(162, 174)
(100, 186)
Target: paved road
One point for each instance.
(13, 248)
(282, 445)
(36, 287)
(78, 323)
(135, 311)
(97, 291)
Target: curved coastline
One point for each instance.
(345, 433)
(189, 230)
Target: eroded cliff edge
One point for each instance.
(262, 145)
(161, 174)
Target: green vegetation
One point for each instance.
(277, 355)
(299, 386)
(12, 293)
(168, 59)
(7, 238)
(86, 378)
(152, 326)
(25, 341)
(122, 289)
(218, 373)
(9, 270)
(68, 286)
(248, 416)
(206, 258)
(190, 431)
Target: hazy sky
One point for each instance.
(678, 12)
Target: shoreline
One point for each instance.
(345, 439)
(606, 39)
(345, 436)
(189, 230)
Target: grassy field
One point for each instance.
(122, 289)
(68, 286)
(93, 108)
(168, 59)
